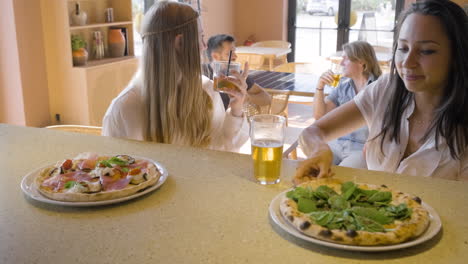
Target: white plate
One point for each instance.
(434, 227)
(27, 185)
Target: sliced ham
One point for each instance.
(87, 164)
(58, 182)
(110, 183)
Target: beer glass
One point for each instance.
(267, 138)
(220, 71)
(337, 71)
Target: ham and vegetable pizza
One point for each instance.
(90, 177)
(354, 214)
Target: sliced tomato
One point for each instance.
(67, 164)
(134, 171)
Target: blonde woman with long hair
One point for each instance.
(168, 100)
(360, 68)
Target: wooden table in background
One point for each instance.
(300, 84)
(268, 53)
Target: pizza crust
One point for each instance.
(153, 176)
(403, 231)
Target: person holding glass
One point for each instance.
(168, 100)
(417, 115)
(359, 68)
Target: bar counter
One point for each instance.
(209, 210)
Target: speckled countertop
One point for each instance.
(209, 211)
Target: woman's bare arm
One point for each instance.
(313, 140)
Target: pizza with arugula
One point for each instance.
(354, 214)
(90, 177)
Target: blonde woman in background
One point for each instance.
(168, 101)
(360, 68)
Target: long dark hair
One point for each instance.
(451, 115)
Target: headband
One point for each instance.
(169, 29)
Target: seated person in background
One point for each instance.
(360, 68)
(417, 115)
(218, 49)
(168, 100)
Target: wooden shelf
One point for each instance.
(105, 61)
(99, 25)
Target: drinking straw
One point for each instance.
(229, 63)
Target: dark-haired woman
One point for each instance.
(417, 116)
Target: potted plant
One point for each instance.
(79, 53)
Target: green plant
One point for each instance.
(77, 42)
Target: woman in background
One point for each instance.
(359, 68)
(168, 101)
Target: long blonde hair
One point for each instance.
(364, 52)
(178, 109)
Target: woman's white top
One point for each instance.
(426, 161)
(124, 118)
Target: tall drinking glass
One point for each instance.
(267, 138)
(337, 71)
(220, 72)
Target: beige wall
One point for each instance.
(11, 101)
(265, 19)
(23, 82)
(218, 17)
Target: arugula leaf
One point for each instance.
(383, 197)
(338, 202)
(70, 184)
(366, 224)
(306, 205)
(105, 163)
(117, 161)
(322, 218)
(373, 214)
(399, 212)
(300, 192)
(324, 192)
(347, 189)
(368, 193)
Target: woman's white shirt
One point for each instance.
(124, 118)
(426, 161)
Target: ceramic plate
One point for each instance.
(27, 185)
(434, 227)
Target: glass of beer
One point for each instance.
(337, 70)
(267, 138)
(220, 72)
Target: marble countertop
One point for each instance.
(210, 210)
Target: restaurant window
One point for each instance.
(321, 27)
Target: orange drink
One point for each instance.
(221, 69)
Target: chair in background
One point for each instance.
(272, 44)
(278, 106)
(275, 44)
(256, 61)
(92, 130)
(384, 52)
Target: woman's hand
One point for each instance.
(317, 166)
(325, 78)
(238, 96)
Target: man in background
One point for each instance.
(218, 49)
